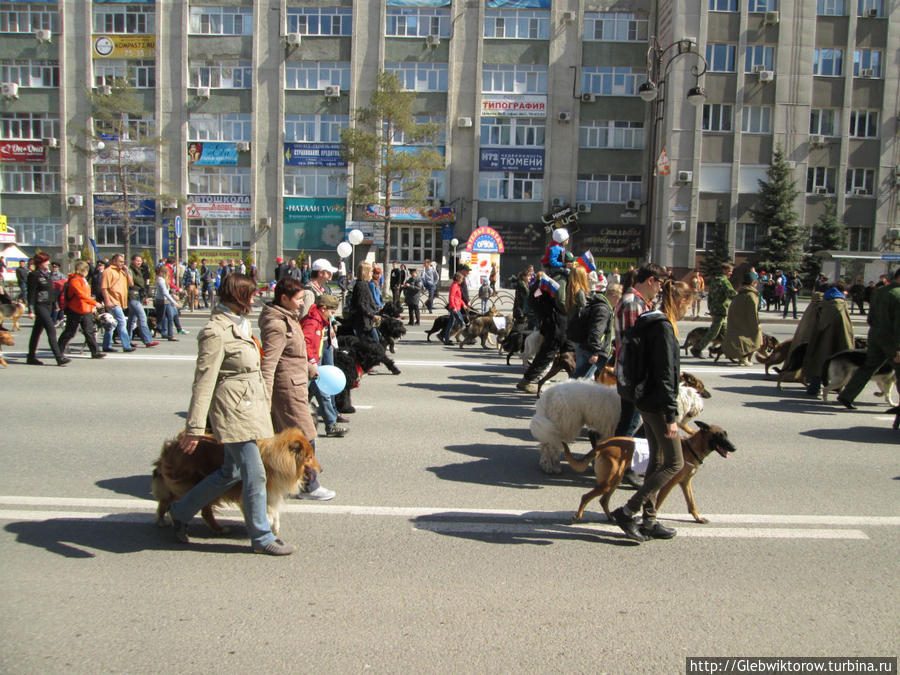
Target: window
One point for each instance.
(706, 235)
(140, 74)
(513, 79)
(757, 119)
(821, 180)
(860, 181)
(435, 185)
(106, 179)
(614, 27)
(869, 8)
(29, 178)
(37, 231)
(721, 57)
(28, 126)
(219, 180)
(219, 127)
(750, 236)
(222, 75)
(27, 18)
(867, 60)
(417, 22)
(220, 233)
(110, 232)
(523, 132)
(439, 138)
(317, 74)
(140, 19)
(759, 6)
(510, 186)
(723, 6)
(759, 57)
(859, 238)
(320, 20)
(830, 8)
(524, 24)
(314, 181)
(314, 128)
(416, 76)
(414, 243)
(717, 117)
(28, 73)
(611, 80)
(611, 134)
(822, 121)
(221, 21)
(828, 62)
(864, 123)
(607, 189)
(130, 127)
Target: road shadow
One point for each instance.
(523, 529)
(860, 434)
(134, 486)
(119, 534)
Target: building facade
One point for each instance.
(540, 104)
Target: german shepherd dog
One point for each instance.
(695, 336)
(840, 368)
(11, 310)
(440, 324)
(611, 457)
(482, 327)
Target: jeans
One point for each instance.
(788, 299)
(137, 314)
(666, 460)
(327, 407)
(455, 319)
(430, 303)
(583, 367)
(241, 463)
(121, 327)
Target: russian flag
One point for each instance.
(586, 260)
(548, 285)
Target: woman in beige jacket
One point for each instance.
(229, 391)
(287, 370)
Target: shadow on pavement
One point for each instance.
(135, 486)
(866, 435)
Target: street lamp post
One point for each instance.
(653, 91)
(454, 243)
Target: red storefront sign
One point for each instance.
(22, 151)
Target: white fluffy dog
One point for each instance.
(564, 409)
(689, 405)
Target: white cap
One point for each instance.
(560, 235)
(323, 264)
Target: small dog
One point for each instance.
(286, 458)
(841, 367)
(482, 328)
(611, 457)
(6, 340)
(12, 310)
(694, 338)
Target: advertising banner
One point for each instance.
(484, 240)
(313, 223)
(218, 206)
(124, 46)
(106, 206)
(212, 153)
(22, 151)
(373, 231)
(514, 105)
(412, 213)
(313, 154)
(508, 159)
(169, 240)
(519, 4)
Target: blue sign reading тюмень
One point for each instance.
(503, 159)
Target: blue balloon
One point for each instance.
(331, 380)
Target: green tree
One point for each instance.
(392, 156)
(783, 247)
(717, 251)
(827, 234)
(123, 151)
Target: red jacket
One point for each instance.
(456, 301)
(315, 325)
(78, 295)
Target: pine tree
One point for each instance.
(775, 211)
(386, 171)
(827, 234)
(717, 252)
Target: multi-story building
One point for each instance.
(540, 102)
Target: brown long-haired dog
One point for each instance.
(286, 458)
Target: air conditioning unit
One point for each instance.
(860, 192)
(75, 201)
(560, 201)
(332, 91)
(170, 203)
(293, 39)
(772, 18)
(75, 240)
(432, 40)
(685, 176)
(588, 98)
(633, 205)
(817, 140)
(42, 35)
(464, 122)
(568, 17)
(51, 142)
(872, 13)
(9, 90)
(867, 72)
(243, 146)
(679, 225)
(265, 223)
(758, 68)
(202, 92)
(565, 116)
(584, 207)
(105, 90)
(821, 190)
(766, 75)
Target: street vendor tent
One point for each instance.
(13, 253)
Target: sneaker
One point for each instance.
(98, 355)
(109, 350)
(336, 431)
(653, 529)
(151, 344)
(63, 361)
(172, 339)
(130, 349)
(31, 361)
(276, 547)
(179, 527)
(527, 386)
(628, 525)
(320, 494)
(342, 419)
(183, 332)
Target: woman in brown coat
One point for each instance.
(287, 371)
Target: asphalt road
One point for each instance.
(446, 549)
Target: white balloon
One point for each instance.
(355, 237)
(344, 249)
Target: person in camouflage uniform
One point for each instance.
(720, 294)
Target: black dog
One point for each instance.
(390, 330)
(392, 309)
(513, 343)
(440, 324)
(347, 363)
(367, 353)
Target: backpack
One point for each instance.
(62, 290)
(630, 364)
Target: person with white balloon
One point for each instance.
(286, 371)
(316, 326)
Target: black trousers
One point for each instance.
(413, 312)
(43, 321)
(74, 320)
(553, 328)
